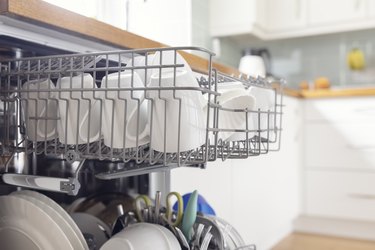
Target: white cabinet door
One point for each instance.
(371, 8)
(335, 110)
(286, 14)
(346, 195)
(340, 146)
(235, 17)
(335, 11)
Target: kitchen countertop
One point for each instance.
(47, 15)
(330, 93)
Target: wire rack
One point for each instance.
(141, 106)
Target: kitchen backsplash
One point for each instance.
(296, 59)
(307, 58)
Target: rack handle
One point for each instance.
(69, 186)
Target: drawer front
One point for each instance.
(340, 145)
(337, 109)
(345, 195)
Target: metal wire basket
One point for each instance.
(142, 106)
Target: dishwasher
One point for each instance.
(94, 132)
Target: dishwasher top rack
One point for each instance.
(145, 107)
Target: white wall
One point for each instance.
(259, 196)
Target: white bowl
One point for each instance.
(140, 61)
(143, 236)
(265, 101)
(40, 105)
(185, 121)
(120, 109)
(236, 98)
(79, 111)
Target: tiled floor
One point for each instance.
(299, 241)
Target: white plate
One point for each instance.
(77, 236)
(70, 234)
(26, 225)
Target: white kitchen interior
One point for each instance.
(318, 190)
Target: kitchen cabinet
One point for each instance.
(273, 19)
(236, 17)
(321, 12)
(341, 194)
(371, 9)
(285, 15)
(340, 146)
(339, 166)
(340, 133)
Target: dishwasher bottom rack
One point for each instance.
(144, 106)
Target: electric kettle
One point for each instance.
(255, 62)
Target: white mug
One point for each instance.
(79, 110)
(124, 111)
(265, 101)
(259, 121)
(39, 110)
(232, 98)
(176, 126)
(145, 72)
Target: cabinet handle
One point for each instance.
(298, 9)
(366, 110)
(357, 4)
(360, 147)
(362, 196)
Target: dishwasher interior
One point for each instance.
(12, 48)
(105, 127)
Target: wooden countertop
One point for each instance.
(330, 93)
(47, 15)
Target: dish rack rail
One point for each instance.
(53, 105)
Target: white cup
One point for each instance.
(145, 72)
(79, 111)
(233, 98)
(39, 110)
(176, 126)
(171, 58)
(265, 101)
(124, 111)
(143, 236)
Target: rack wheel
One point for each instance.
(71, 156)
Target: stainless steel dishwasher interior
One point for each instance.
(11, 48)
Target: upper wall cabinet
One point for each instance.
(285, 15)
(275, 19)
(371, 9)
(237, 17)
(339, 12)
